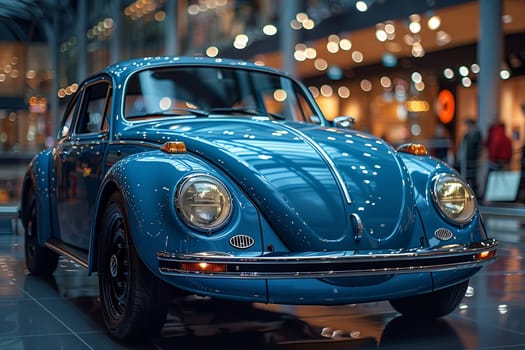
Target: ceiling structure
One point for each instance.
(459, 21)
(21, 20)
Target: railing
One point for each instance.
(10, 213)
(503, 209)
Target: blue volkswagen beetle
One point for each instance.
(222, 178)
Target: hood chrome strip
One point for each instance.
(325, 156)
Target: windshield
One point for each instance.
(208, 91)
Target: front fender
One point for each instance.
(422, 170)
(148, 181)
(38, 176)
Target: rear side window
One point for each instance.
(95, 106)
(67, 121)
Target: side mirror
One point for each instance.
(344, 122)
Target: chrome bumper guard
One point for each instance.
(321, 265)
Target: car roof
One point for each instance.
(125, 68)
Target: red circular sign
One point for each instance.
(446, 106)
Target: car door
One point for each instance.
(79, 162)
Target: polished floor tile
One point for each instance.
(63, 312)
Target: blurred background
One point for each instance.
(406, 70)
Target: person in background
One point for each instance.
(470, 150)
(499, 147)
(499, 154)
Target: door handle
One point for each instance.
(358, 226)
(65, 153)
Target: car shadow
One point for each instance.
(409, 333)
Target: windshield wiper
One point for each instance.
(171, 112)
(246, 110)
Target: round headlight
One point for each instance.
(454, 198)
(203, 202)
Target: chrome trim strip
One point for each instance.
(326, 157)
(67, 254)
(270, 266)
(135, 143)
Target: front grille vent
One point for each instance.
(443, 234)
(241, 241)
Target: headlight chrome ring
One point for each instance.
(454, 198)
(203, 202)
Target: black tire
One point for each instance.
(134, 301)
(432, 305)
(40, 260)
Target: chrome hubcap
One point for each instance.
(113, 266)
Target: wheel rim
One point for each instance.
(118, 269)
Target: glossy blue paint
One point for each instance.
(318, 292)
(299, 189)
(254, 291)
(40, 177)
(152, 217)
(306, 201)
(422, 170)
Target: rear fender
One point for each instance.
(38, 177)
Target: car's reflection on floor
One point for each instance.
(200, 323)
(208, 322)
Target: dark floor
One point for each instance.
(63, 312)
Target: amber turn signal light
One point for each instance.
(486, 255)
(413, 148)
(173, 147)
(202, 267)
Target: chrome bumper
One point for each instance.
(321, 265)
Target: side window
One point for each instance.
(95, 105)
(305, 109)
(67, 121)
(107, 111)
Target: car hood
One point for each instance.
(316, 186)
